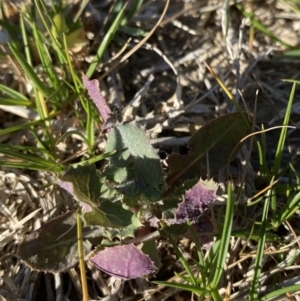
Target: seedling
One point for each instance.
(129, 193)
(117, 204)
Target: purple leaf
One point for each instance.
(196, 200)
(53, 247)
(125, 262)
(94, 92)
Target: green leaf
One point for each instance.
(99, 205)
(130, 230)
(86, 184)
(108, 215)
(150, 248)
(217, 140)
(290, 207)
(53, 247)
(134, 7)
(133, 151)
(175, 230)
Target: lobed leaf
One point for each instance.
(84, 184)
(197, 196)
(144, 174)
(196, 200)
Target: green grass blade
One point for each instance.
(273, 206)
(43, 12)
(133, 31)
(281, 293)
(107, 38)
(29, 71)
(13, 98)
(182, 277)
(14, 102)
(185, 287)
(31, 160)
(293, 53)
(25, 40)
(216, 296)
(78, 85)
(283, 133)
(134, 8)
(30, 166)
(41, 106)
(94, 159)
(87, 105)
(6, 23)
(262, 150)
(69, 133)
(23, 126)
(55, 36)
(260, 249)
(82, 5)
(42, 110)
(39, 99)
(28, 149)
(45, 58)
(261, 27)
(224, 243)
(182, 260)
(292, 4)
(21, 152)
(90, 125)
(199, 252)
(288, 210)
(254, 234)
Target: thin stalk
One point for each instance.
(85, 295)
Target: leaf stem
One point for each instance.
(85, 295)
